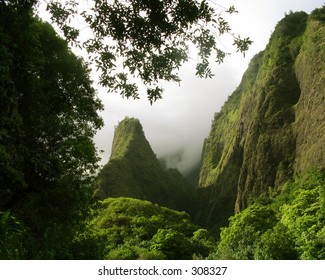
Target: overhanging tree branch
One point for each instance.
(150, 37)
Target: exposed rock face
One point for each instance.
(272, 126)
(134, 171)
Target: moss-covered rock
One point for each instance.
(272, 126)
(134, 171)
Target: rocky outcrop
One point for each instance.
(134, 171)
(272, 126)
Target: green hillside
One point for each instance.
(272, 126)
(134, 171)
(261, 187)
(128, 228)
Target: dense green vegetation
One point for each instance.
(260, 151)
(287, 224)
(48, 117)
(128, 228)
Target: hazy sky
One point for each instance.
(179, 122)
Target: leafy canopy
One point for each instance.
(150, 37)
(128, 228)
(289, 224)
(48, 118)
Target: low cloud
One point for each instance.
(176, 125)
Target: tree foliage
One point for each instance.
(238, 240)
(287, 225)
(150, 37)
(128, 228)
(49, 115)
(304, 216)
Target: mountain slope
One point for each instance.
(134, 171)
(271, 126)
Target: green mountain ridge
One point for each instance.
(134, 171)
(271, 127)
(262, 177)
(261, 188)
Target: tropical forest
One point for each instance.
(259, 190)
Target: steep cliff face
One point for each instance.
(134, 171)
(310, 110)
(222, 156)
(271, 126)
